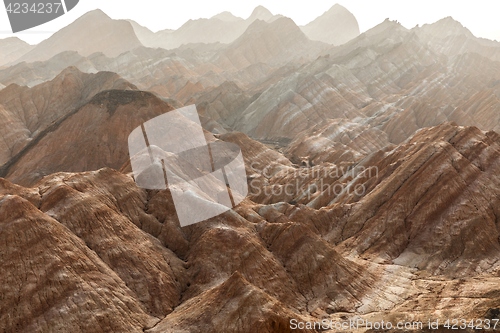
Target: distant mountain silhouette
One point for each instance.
(93, 32)
(373, 165)
(221, 28)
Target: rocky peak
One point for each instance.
(95, 14)
(282, 24)
(336, 10)
(260, 13)
(446, 27)
(387, 25)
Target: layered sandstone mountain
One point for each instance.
(254, 61)
(336, 26)
(274, 43)
(30, 113)
(91, 207)
(214, 311)
(93, 32)
(459, 192)
(261, 13)
(354, 82)
(387, 191)
(450, 37)
(71, 278)
(35, 73)
(388, 79)
(221, 28)
(366, 255)
(372, 169)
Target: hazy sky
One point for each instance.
(480, 16)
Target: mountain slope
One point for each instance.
(365, 201)
(215, 310)
(388, 79)
(443, 178)
(450, 37)
(270, 262)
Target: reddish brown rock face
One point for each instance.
(95, 136)
(86, 37)
(29, 113)
(262, 263)
(336, 26)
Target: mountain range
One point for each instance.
(372, 162)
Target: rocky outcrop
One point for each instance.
(47, 291)
(337, 256)
(95, 135)
(459, 192)
(234, 306)
(277, 42)
(365, 201)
